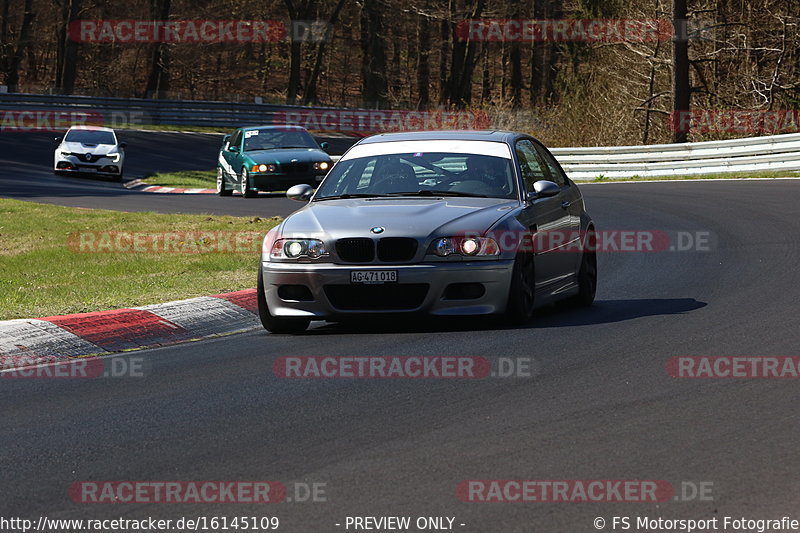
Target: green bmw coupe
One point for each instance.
(269, 158)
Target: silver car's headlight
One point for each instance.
(297, 248)
(466, 246)
(113, 157)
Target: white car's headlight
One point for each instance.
(466, 246)
(63, 154)
(297, 248)
(113, 157)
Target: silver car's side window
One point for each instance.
(530, 165)
(556, 174)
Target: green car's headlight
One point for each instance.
(322, 165)
(263, 168)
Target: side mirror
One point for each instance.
(324, 145)
(57, 139)
(544, 189)
(123, 145)
(226, 138)
(233, 148)
(301, 192)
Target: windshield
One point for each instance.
(90, 137)
(270, 139)
(421, 173)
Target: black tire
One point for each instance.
(222, 188)
(522, 294)
(275, 324)
(587, 274)
(246, 192)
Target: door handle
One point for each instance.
(565, 204)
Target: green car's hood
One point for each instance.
(277, 156)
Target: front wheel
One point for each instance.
(222, 188)
(587, 274)
(246, 191)
(275, 324)
(522, 293)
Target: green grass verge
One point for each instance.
(202, 179)
(721, 175)
(43, 272)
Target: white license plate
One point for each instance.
(373, 276)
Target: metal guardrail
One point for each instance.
(130, 112)
(774, 152)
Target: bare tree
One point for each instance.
(23, 41)
(158, 81)
(680, 69)
(310, 93)
(67, 56)
(373, 48)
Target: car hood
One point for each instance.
(421, 218)
(81, 148)
(303, 155)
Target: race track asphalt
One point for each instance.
(600, 406)
(26, 162)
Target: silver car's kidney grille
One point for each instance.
(396, 249)
(356, 250)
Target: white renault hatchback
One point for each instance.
(90, 150)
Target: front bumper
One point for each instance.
(280, 182)
(494, 276)
(103, 166)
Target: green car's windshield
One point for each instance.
(270, 139)
(90, 137)
(421, 174)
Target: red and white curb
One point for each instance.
(140, 186)
(55, 338)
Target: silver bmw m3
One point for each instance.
(447, 223)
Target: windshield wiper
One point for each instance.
(350, 195)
